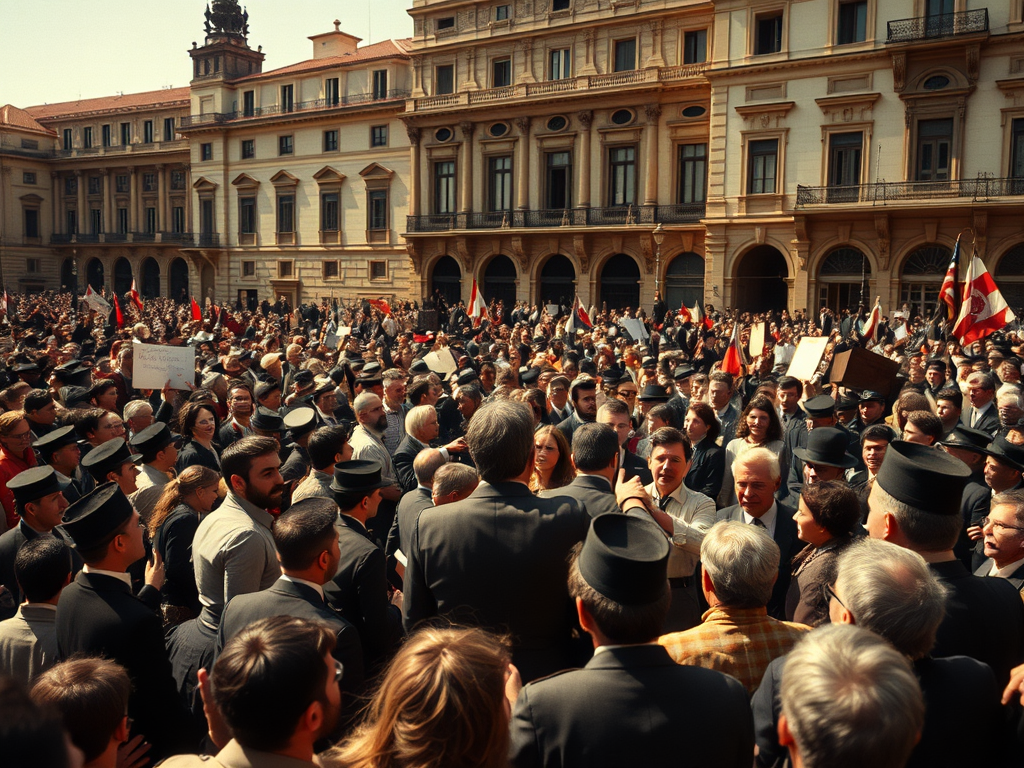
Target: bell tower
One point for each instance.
(225, 54)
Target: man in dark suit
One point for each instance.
(969, 445)
(1003, 539)
(757, 478)
(422, 429)
(558, 400)
(99, 616)
(915, 503)
(359, 589)
(624, 707)
(595, 454)
(982, 412)
(615, 414)
(789, 393)
(583, 393)
(498, 558)
(818, 412)
(307, 546)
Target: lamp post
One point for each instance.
(659, 237)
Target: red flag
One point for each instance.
(734, 358)
(684, 313)
(197, 313)
(381, 305)
(947, 293)
(870, 329)
(477, 306)
(136, 299)
(120, 314)
(699, 318)
(983, 309)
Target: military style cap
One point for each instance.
(94, 518)
(611, 376)
(109, 457)
(34, 483)
(529, 375)
(466, 376)
(967, 439)
(870, 396)
(154, 438)
(372, 368)
(924, 478)
(55, 439)
(299, 421)
(419, 367)
(625, 559)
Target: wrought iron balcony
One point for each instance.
(274, 110)
(894, 192)
(560, 217)
(209, 240)
(184, 238)
(938, 27)
(144, 237)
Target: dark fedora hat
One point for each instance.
(819, 407)
(924, 478)
(266, 420)
(95, 517)
(611, 376)
(683, 372)
(625, 559)
(654, 393)
(34, 483)
(827, 445)
(529, 375)
(967, 439)
(358, 476)
(109, 456)
(1005, 452)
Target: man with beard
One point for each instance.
(583, 393)
(367, 443)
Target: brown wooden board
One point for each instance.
(859, 369)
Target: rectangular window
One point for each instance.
(177, 179)
(169, 129)
(332, 91)
(844, 159)
(934, 145)
(625, 55)
(31, 222)
(378, 136)
(68, 139)
(695, 46)
(502, 12)
(95, 185)
(378, 270)
(28, 177)
(444, 79)
(147, 132)
(122, 221)
(207, 220)
(330, 269)
(70, 185)
(32, 265)
(852, 22)
(106, 135)
(96, 221)
(178, 219)
(287, 98)
(150, 221)
(87, 137)
(126, 134)
(1016, 150)
(248, 149)
(693, 173)
(285, 269)
(72, 221)
(558, 188)
(121, 183)
(247, 215)
(380, 84)
(248, 269)
(447, 22)
(330, 141)
(378, 213)
(206, 151)
(939, 21)
(768, 29)
(499, 192)
(29, 144)
(560, 64)
(248, 103)
(329, 212)
(762, 166)
(622, 176)
(285, 145)
(444, 187)
(560, 5)
(501, 73)
(286, 213)
(149, 182)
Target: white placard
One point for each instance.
(552, 309)
(441, 362)
(345, 331)
(756, 339)
(332, 341)
(807, 357)
(900, 332)
(636, 329)
(155, 364)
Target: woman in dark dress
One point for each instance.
(172, 526)
(708, 466)
(198, 424)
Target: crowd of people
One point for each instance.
(539, 538)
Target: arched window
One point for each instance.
(557, 281)
(761, 281)
(122, 276)
(94, 274)
(620, 282)
(684, 281)
(150, 287)
(179, 280)
(446, 278)
(921, 278)
(500, 282)
(843, 279)
(1009, 276)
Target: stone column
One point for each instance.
(585, 117)
(188, 201)
(134, 218)
(466, 204)
(161, 206)
(55, 192)
(414, 169)
(108, 202)
(653, 113)
(83, 210)
(523, 161)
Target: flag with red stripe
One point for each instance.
(197, 313)
(983, 310)
(684, 313)
(870, 328)
(735, 358)
(118, 312)
(134, 294)
(948, 291)
(477, 305)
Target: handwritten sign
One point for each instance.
(807, 356)
(155, 364)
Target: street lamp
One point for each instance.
(659, 237)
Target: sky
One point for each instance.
(61, 50)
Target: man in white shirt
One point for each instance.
(1003, 530)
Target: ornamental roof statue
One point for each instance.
(226, 18)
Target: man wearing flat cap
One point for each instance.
(915, 503)
(627, 706)
(99, 616)
(59, 449)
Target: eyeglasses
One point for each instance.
(985, 521)
(26, 435)
(339, 670)
(831, 595)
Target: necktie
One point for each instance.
(757, 522)
(663, 502)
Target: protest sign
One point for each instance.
(156, 364)
(807, 357)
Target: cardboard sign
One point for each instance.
(636, 329)
(807, 357)
(441, 362)
(332, 341)
(756, 339)
(900, 332)
(859, 369)
(155, 364)
(552, 309)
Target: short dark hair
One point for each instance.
(325, 444)
(671, 436)
(500, 439)
(472, 391)
(419, 389)
(36, 399)
(722, 378)
(100, 387)
(834, 507)
(268, 675)
(927, 422)
(91, 695)
(615, 406)
(42, 567)
(238, 457)
(878, 432)
(706, 413)
(88, 420)
(791, 382)
(666, 413)
(953, 395)
(189, 415)
(30, 735)
(586, 384)
(304, 531)
(594, 446)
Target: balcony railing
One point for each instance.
(177, 238)
(209, 240)
(939, 26)
(890, 192)
(559, 217)
(273, 110)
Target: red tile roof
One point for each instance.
(388, 49)
(128, 102)
(14, 117)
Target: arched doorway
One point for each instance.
(557, 281)
(122, 276)
(843, 280)
(760, 284)
(620, 282)
(179, 280)
(150, 278)
(684, 281)
(1010, 278)
(67, 275)
(446, 279)
(921, 278)
(500, 282)
(94, 275)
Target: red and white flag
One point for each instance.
(684, 313)
(735, 358)
(477, 306)
(870, 328)
(136, 299)
(948, 291)
(983, 309)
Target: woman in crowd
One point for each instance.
(828, 519)
(757, 427)
(552, 467)
(198, 424)
(16, 455)
(444, 702)
(708, 466)
(172, 526)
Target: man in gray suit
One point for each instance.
(595, 452)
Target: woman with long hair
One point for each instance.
(707, 468)
(444, 702)
(552, 466)
(757, 427)
(198, 424)
(172, 526)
